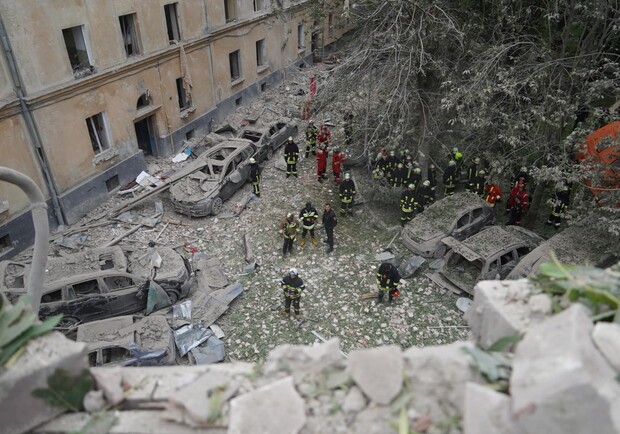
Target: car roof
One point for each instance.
(495, 239)
(87, 276)
(443, 212)
(152, 332)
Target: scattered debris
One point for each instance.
(190, 336)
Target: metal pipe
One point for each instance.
(41, 231)
(30, 124)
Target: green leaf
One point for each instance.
(552, 270)
(66, 391)
(98, 423)
(35, 330)
(505, 342)
(403, 422)
(488, 364)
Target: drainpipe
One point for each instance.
(30, 124)
(41, 231)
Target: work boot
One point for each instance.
(314, 241)
(285, 314)
(302, 242)
(331, 249)
(296, 315)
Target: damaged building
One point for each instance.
(88, 88)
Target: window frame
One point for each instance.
(132, 31)
(234, 58)
(230, 11)
(79, 66)
(173, 22)
(301, 37)
(103, 141)
(184, 103)
(260, 53)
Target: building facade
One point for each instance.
(88, 87)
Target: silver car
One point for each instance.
(459, 216)
(269, 139)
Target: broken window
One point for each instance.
(229, 10)
(114, 283)
(172, 22)
(301, 43)
(97, 132)
(5, 243)
(258, 5)
(52, 297)
(77, 51)
(129, 34)
(260, 52)
(183, 102)
(92, 358)
(114, 355)
(86, 287)
(234, 60)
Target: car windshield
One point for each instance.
(459, 269)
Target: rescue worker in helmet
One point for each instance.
(388, 280)
(559, 204)
(308, 216)
(450, 178)
(472, 172)
(289, 228)
(291, 155)
(255, 176)
(311, 133)
(400, 176)
(408, 205)
(347, 194)
(426, 195)
(292, 286)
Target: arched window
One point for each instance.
(142, 101)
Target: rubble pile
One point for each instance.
(560, 377)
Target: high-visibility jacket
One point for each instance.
(477, 185)
(414, 179)
(311, 133)
(408, 202)
(387, 277)
(254, 173)
(492, 194)
(337, 161)
(400, 177)
(347, 191)
(560, 202)
(518, 199)
(292, 286)
(289, 228)
(426, 195)
(308, 217)
(291, 152)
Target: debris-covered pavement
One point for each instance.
(332, 304)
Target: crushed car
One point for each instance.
(490, 254)
(219, 173)
(269, 139)
(576, 245)
(458, 216)
(129, 341)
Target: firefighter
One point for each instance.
(329, 223)
(311, 134)
(521, 177)
(293, 286)
(477, 183)
(450, 178)
(559, 204)
(289, 228)
(400, 176)
(380, 169)
(323, 136)
(408, 204)
(426, 195)
(472, 172)
(321, 163)
(517, 204)
(347, 194)
(415, 177)
(308, 216)
(492, 193)
(432, 176)
(291, 155)
(457, 156)
(387, 280)
(390, 166)
(337, 163)
(255, 176)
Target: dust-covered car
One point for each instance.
(459, 216)
(128, 341)
(220, 172)
(269, 139)
(488, 255)
(575, 245)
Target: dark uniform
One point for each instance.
(289, 227)
(388, 280)
(380, 170)
(559, 205)
(476, 185)
(450, 179)
(308, 217)
(293, 287)
(255, 178)
(347, 192)
(426, 196)
(329, 223)
(311, 133)
(348, 127)
(432, 176)
(414, 178)
(408, 205)
(291, 155)
(400, 176)
(390, 166)
(472, 172)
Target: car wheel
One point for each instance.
(439, 251)
(174, 297)
(68, 322)
(270, 153)
(216, 206)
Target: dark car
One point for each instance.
(223, 170)
(459, 216)
(488, 255)
(129, 341)
(270, 139)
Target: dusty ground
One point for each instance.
(335, 282)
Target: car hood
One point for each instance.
(193, 191)
(423, 229)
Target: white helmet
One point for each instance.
(426, 183)
(310, 121)
(290, 138)
(400, 165)
(482, 173)
(452, 163)
(252, 160)
(293, 271)
(289, 215)
(417, 170)
(523, 169)
(347, 176)
(392, 153)
(455, 149)
(411, 186)
(477, 160)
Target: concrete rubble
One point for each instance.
(378, 372)
(607, 339)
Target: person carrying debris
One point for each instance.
(450, 178)
(255, 176)
(387, 280)
(517, 204)
(291, 155)
(289, 227)
(426, 195)
(321, 163)
(472, 172)
(408, 204)
(337, 163)
(311, 133)
(308, 216)
(347, 193)
(293, 287)
(329, 223)
(559, 204)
